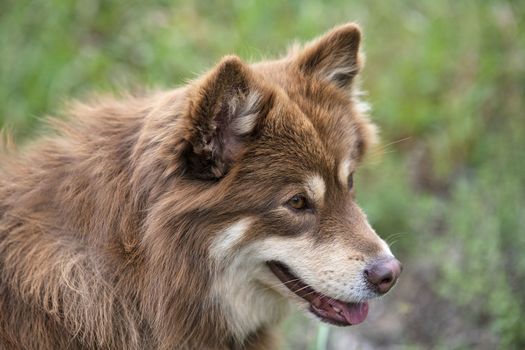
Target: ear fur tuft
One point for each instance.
(225, 108)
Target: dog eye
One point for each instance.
(351, 181)
(298, 202)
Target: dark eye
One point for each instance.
(298, 202)
(351, 181)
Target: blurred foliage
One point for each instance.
(446, 80)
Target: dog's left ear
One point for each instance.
(334, 56)
(225, 109)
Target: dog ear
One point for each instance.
(225, 109)
(334, 56)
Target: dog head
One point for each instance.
(274, 146)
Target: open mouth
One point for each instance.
(328, 309)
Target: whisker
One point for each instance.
(391, 244)
(384, 149)
(300, 289)
(277, 285)
(394, 238)
(388, 145)
(397, 141)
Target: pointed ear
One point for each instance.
(225, 109)
(334, 56)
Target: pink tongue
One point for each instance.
(355, 313)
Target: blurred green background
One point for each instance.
(446, 81)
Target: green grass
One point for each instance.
(446, 79)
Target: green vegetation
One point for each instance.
(446, 80)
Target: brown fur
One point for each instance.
(105, 226)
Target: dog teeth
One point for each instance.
(336, 309)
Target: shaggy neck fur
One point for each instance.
(87, 220)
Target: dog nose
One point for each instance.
(382, 274)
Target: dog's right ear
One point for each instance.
(333, 57)
(225, 109)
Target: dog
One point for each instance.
(192, 218)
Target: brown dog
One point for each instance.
(190, 218)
